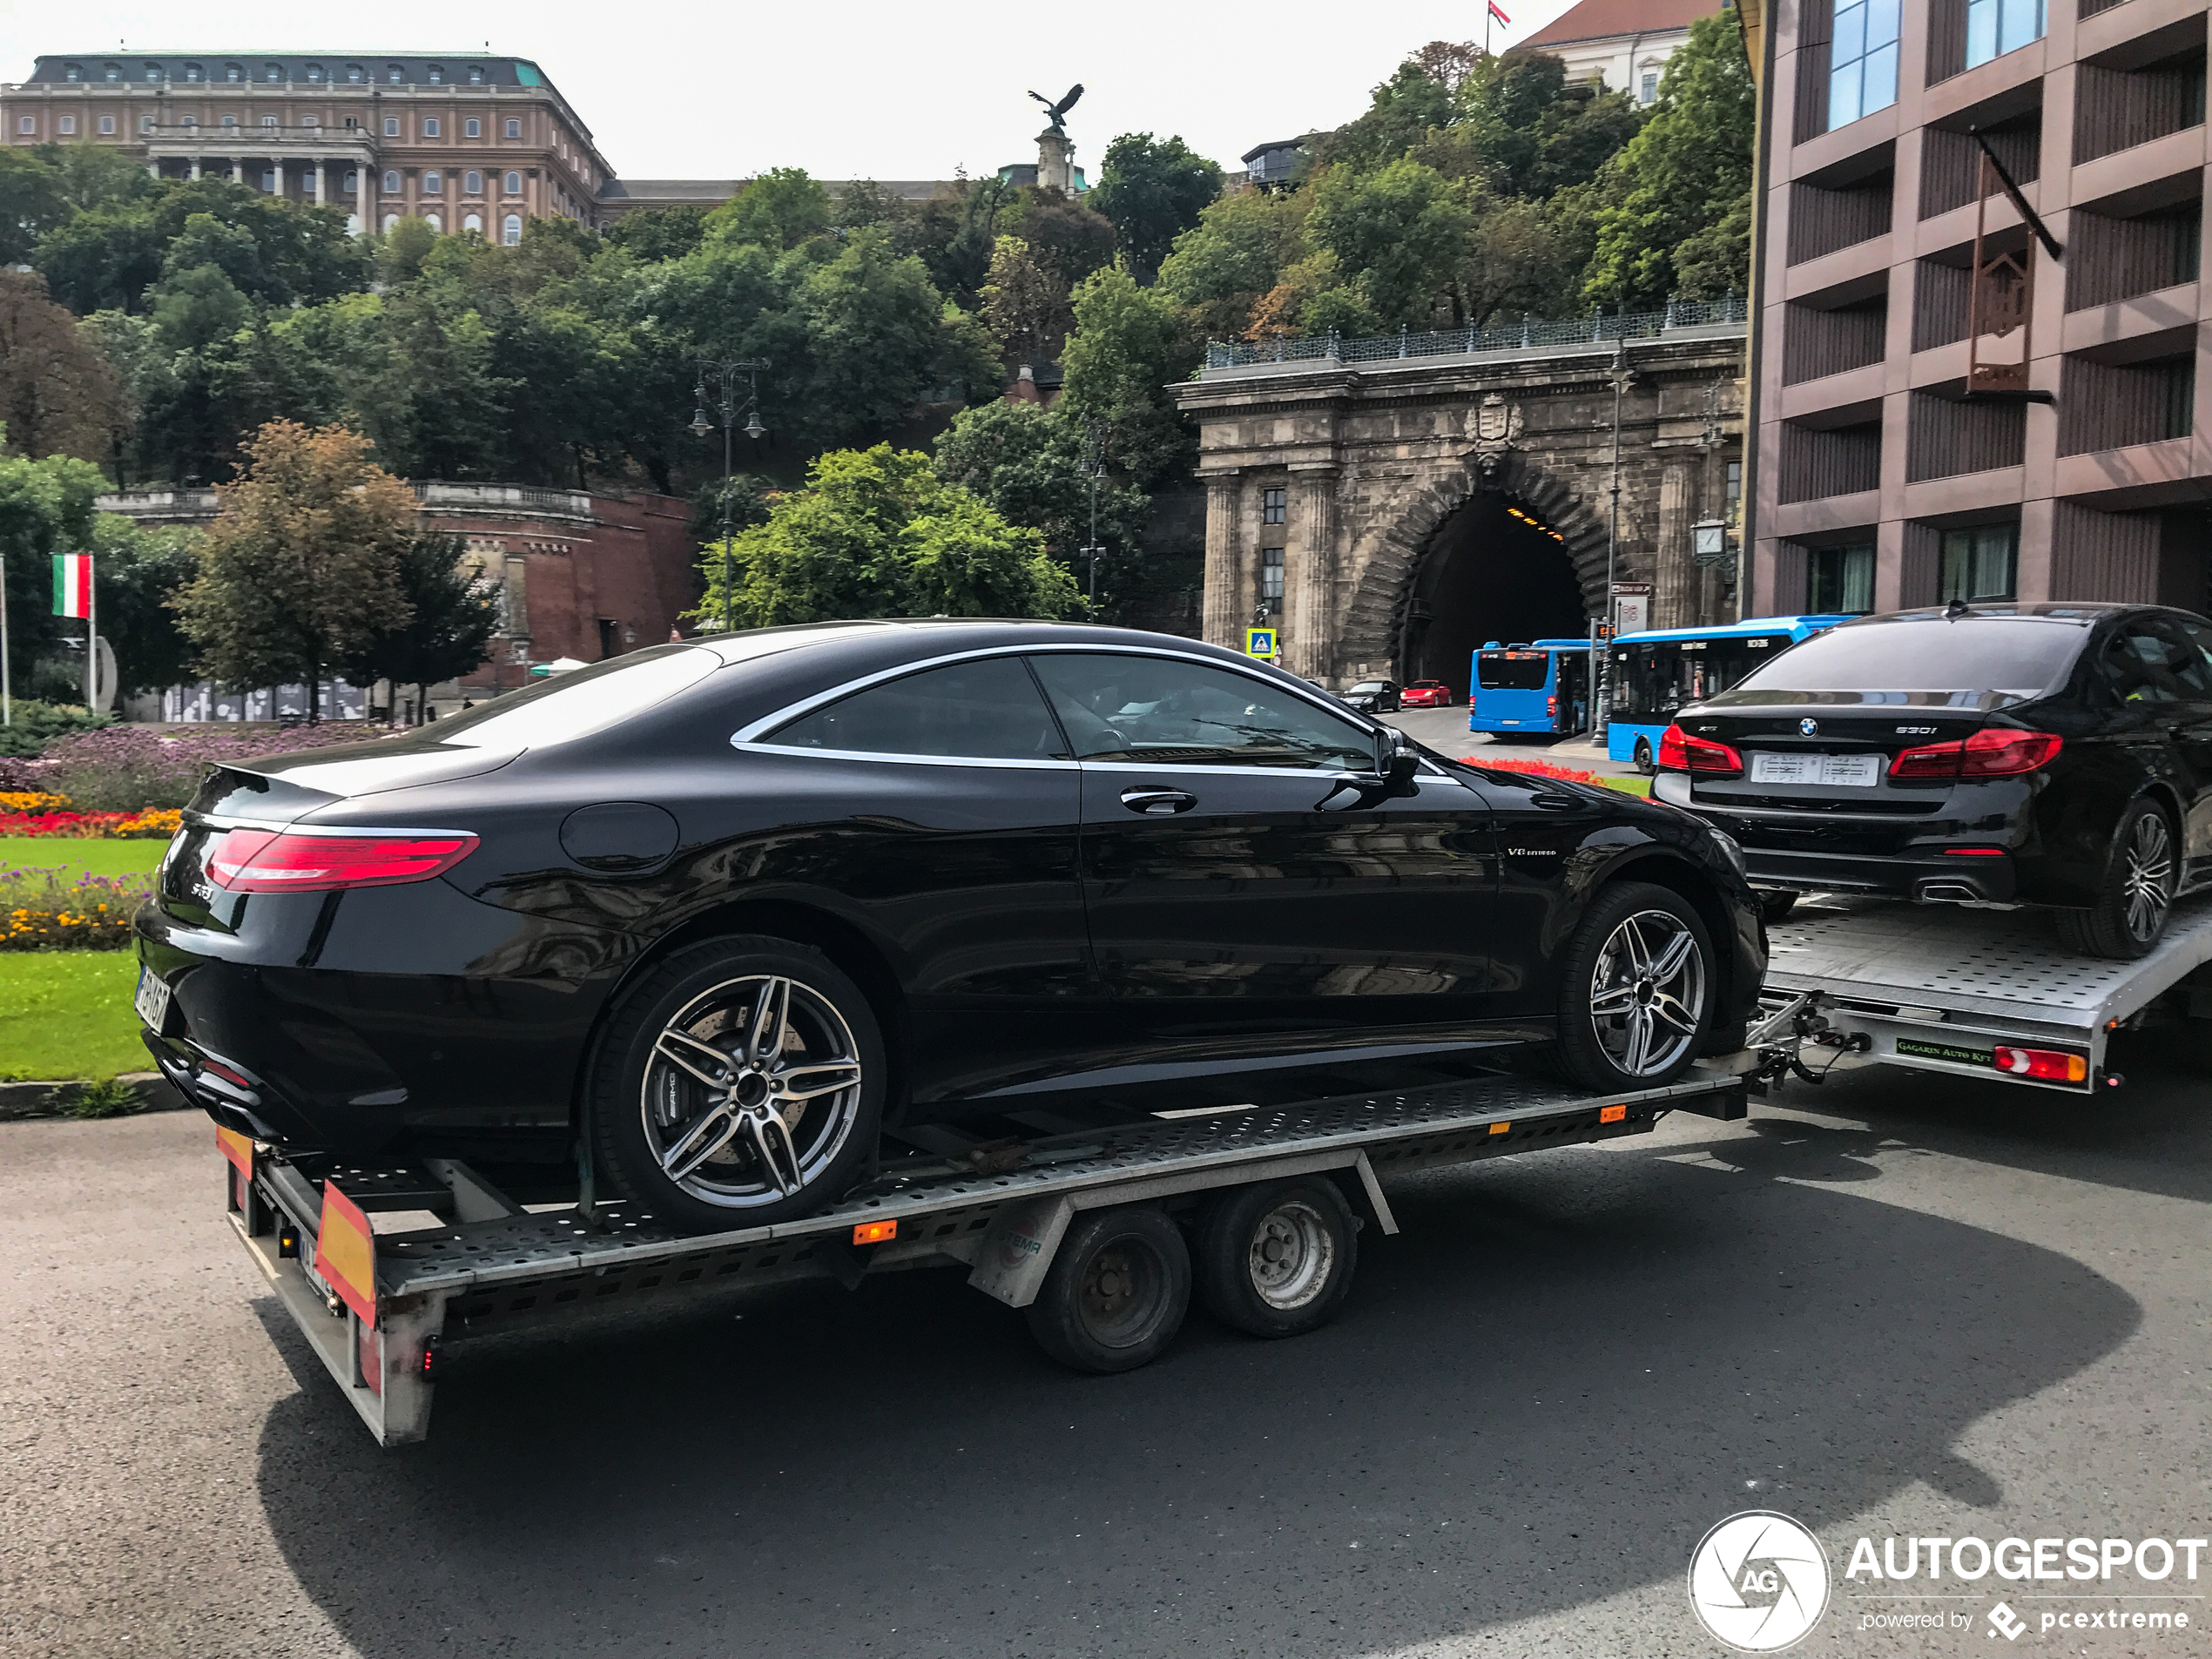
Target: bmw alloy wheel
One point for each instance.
(2146, 878)
(752, 1091)
(1648, 992)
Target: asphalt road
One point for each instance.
(1894, 1305)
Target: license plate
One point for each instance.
(1848, 771)
(153, 1000)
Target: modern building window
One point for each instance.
(1995, 27)
(514, 184)
(430, 128)
(514, 129)
(1840, 580)
(510, 229)
(433, 183)
(472, 183)
(391, 184)
(473, 222)
(68, 126)
(391, 126)
(1979, 563)
(1648, 89)
(1270, 506)
(107, 123)
(472, 128)
(1270, 577)
(1862, 75)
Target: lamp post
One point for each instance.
(723, 376)
(1093, 464)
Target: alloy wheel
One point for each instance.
(2146, 878)
(1648, 992)
(750, 1091)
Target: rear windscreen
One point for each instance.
(1974, 658)
(1513, 670)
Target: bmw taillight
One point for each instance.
(1994, 751)
(257, 861)
(1679, 752)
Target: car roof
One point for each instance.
(2073, 613)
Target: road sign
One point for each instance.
(1262, 642)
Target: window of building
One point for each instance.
(73, 73)
(514, 129)
(391, 74)
(191, 123)
(391, 184)
(435, 75)
(1648, 88)
(1995, 27)
(1270, 506)
(510, 229)
(514, 184)
(314, 74)
(1840, 580)
(391, 126)
(112, 71)
(274, 72)
(430, 128)
(472, 128)
(433, 183)
(390, 219)
(1862, 56)
(230, 123)
(354, 76)
(473, 222)
(1270, 577)
(472, 183)
(434, 222)
(268, 120)
(234, 73)
(107, 123)
(351, 126)
(68, 126)
(353, 182)
(26, 124)
(476, 75)
(311, 120)
(1735, 493)
(193, 74)
(1979, 563)
(269, 180)
(145, 124)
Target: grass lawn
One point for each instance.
(94, 858)
(67, 1013)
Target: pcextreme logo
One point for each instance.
(1758, 1582)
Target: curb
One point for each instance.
(19, 1100)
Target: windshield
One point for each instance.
(1967, 663)
(1513, 671)
(583, 700)
(1368, 685)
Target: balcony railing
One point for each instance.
(1528, 334)
(504, 498)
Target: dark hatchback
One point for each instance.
(724, 910)
(2057, 754)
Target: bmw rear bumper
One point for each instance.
(1935, 876)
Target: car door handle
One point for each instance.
(1551, 803)
(1156, 802)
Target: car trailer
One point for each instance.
(1099, 1235)
(1979, 991)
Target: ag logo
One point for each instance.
(1758, 1582)
(1809, 726)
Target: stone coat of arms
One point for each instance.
(1495, 424)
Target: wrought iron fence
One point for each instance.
(1529, 334)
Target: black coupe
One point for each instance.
(2059, 754)
(721, 911)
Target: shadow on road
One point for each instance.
(1565, 1370)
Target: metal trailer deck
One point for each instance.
(379, 1307)
(1976, 991)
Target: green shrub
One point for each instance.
(34, 725)
(108, 1097)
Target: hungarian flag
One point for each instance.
(1500, 15)
(72, 585)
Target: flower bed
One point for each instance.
(152, 824)
(67, 909)
(1549, 769)
(125, 769)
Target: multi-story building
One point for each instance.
(1956, 400)
(466, 142)
(1624, 45)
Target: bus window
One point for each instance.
(1513, 671)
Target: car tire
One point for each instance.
(787, 1111)
(1275, 1258)
(2134, 892)
(1638, 989)
(1117, 1290)
(1643, 762)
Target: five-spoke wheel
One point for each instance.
(1637, 992)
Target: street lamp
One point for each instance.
(735, 385)
(1094, 465)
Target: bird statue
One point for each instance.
(1055, 111)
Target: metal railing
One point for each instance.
(495, 498)
(1530, 333)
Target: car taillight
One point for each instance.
(1679, 752)
(1995, 752)
(255, 860)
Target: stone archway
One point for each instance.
(1390, 557)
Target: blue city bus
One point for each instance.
(1663, 670)
(1539, 689)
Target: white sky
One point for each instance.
(853, 88)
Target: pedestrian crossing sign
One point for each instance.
(1262, 641)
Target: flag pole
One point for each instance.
(7, 709)
(91, 641)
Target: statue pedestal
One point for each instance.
(1055, 161)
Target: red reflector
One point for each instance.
(1679, 752)
(2045, 1065)
(237, 1078)
(245, 861)
(1973, 852)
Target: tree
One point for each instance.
(31, 202)
(58, 393)
(1026, 309)
(1399, 113)
(659, 233)
(876, 533)
(404, 247)
(45, 508)
(1153, 190)
(873, 329)
(1068, 240)
(1129, 343)
(453, 612)
(1236, 252)
(1401, 229)
(137, 570)
(781, 209)
(300, 572)
(1677, 217)
(1532, 132)
(101, 259)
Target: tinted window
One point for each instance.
(2191, 656)
(987, 710)
(2138, 665)
(1160, 708)
(1984, 656)
(1513, 671)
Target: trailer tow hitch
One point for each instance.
(1779, 1040)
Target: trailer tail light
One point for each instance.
(1679, 752)
(875, 1232)
(1994, 751)
(2043, 1065)
(254, 861)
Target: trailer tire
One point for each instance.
(1117, 1290)
(1276, 1257)
(1621, 1028)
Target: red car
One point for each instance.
(1426, 694)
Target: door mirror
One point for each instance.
(1400, 760)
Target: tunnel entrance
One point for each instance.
(1494, 569)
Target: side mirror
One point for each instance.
(1400, 760)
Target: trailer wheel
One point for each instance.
(1117, 1290)
(1276, 1257)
